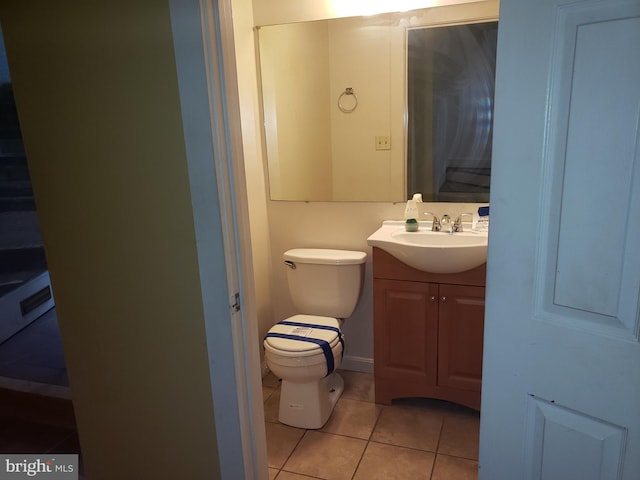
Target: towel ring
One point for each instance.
(343, 109)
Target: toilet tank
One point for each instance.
(325, 282)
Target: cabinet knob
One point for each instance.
(444, 299)
(433, 298)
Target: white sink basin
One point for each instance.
(436, 252)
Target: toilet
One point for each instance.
(306, 349)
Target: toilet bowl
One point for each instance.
(305, 354)
(306, 349)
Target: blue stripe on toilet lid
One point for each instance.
(305, 326)
(301, 335)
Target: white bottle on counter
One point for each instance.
(412, 211)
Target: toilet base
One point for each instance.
(309, 405)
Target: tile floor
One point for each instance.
(411, 439)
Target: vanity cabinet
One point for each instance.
(428, 332)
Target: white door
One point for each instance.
(561, 379)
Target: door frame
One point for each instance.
(207, 80)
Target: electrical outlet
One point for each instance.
(383, 142)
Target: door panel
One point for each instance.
(460, 330)
(561, 375)
(592, 166)
(406, 318)
(565, 444)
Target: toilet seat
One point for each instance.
(306, 340)
(303, 326)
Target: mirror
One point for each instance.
(450, 89)
(335, 111)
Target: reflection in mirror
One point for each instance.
(318, 151)
(451, 72)
(319, 147)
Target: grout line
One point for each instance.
(375, 424)
(355, 471)
(435, 455)
(406, 448)
(293, 450)
(456, 456)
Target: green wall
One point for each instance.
(97, 94)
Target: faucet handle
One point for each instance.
(435, 226)
(457, 225)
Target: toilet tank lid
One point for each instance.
(325, 256)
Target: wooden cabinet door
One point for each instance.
(406, 331)
(460, 336)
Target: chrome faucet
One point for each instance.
(435, 225)
(457, 224)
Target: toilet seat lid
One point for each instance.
(301, 347)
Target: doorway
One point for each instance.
(31, 354)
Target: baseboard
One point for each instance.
(357, 364)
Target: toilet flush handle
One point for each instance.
(290, 264)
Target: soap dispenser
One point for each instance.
(411, 210)
(412, 213)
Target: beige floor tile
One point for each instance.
(281, 440)
(272, 407)
(387, 462)
(353, 418)
(409, 426)
(266, 392)
(270, 380)
(454, 468)
(358, 386)
(293, 476)
(327, 456)
(460, 435)
(273, 472)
